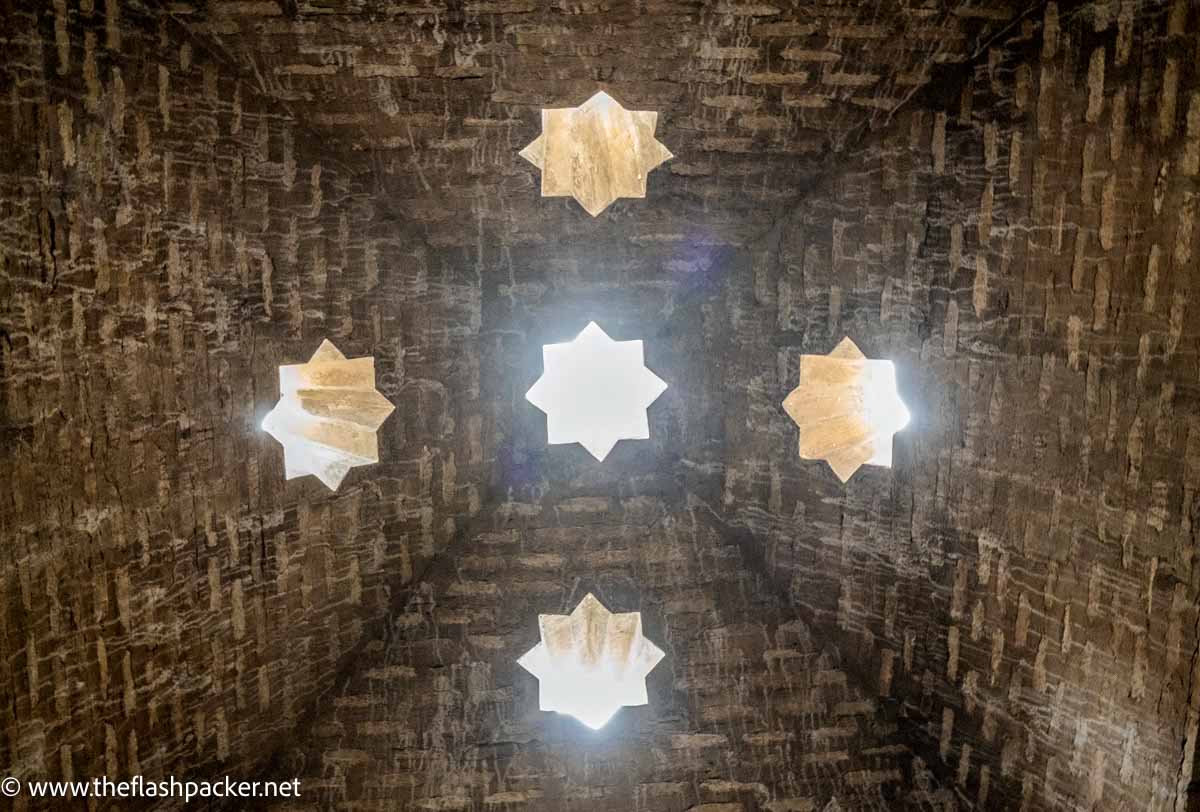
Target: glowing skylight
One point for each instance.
(591, 662)
(596, 152)
(595, 391)
(327, 415)
(847, 408)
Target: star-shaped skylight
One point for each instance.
(327, 415)
(595, 391)
(596, 152)
(847, 408)
(591, 663)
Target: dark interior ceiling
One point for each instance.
(999, 196)
(759, 85)
(756, 98)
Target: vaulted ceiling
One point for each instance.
(998, 196)
(759, 85)
(752, 97)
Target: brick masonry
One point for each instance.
(170, 604)
(1025, 580)
(1007, 619)
(744, 89)
(748, 710)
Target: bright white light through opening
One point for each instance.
(591, 663)
(882, 410)
(596, 152)
(595, 391)
(327, 415)
(847, 408)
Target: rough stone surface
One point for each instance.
(170, 605)
(1025, 579)
(748, 710)
(1006, 619)
(744, 88)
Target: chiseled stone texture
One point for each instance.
(188, 201)
(754, 96)
(748, 710)
(1025, 579)
(170, 605)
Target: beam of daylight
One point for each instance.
(848, 408)
(596, 152)
(327, 415)
(595, 391)
(591, 663)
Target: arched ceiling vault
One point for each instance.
(754, 85)
(1000, 198)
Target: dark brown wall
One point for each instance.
(1025, 578)
(181, 211)
(170, 605)
(748, 710)
(748, 92)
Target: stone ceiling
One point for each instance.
(761, 87)
(292, 171)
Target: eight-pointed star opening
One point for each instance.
(327, 415)
(591, 663)
(596, 152)
(847, 408)
(595, 391)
